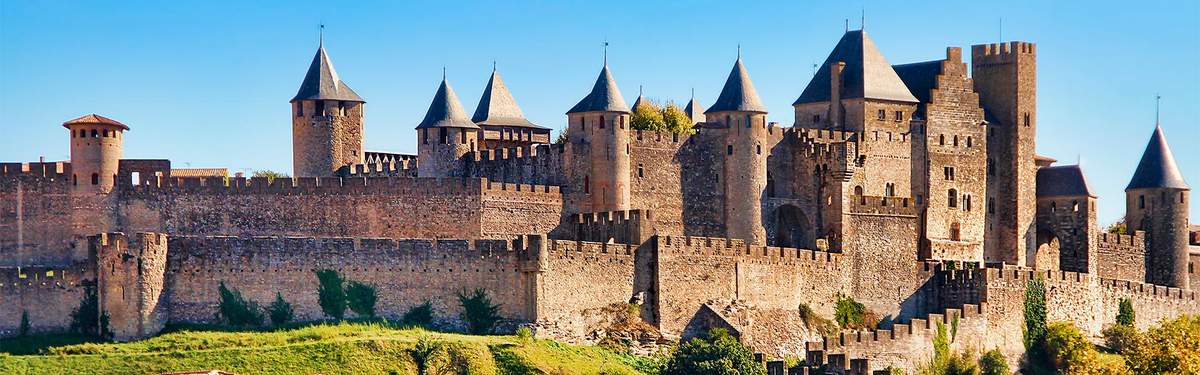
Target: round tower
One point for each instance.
(598, 129)
(96, 144)
(445, 136)
(327, 122)
(1156, 202)
(744, 117)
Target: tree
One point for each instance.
(419, 315)
(478, 313)
(1117, 227)
(361, 298)
(280, 311)
(647, 116)
(236, 310)
(1125, 314)
(716, 353)
(1067, 350)
(1035, 312)
(677, 121)
(330, 294)
(269, 174)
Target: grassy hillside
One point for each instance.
(347, 348)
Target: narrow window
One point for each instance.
(889, 189)
(601, 121)
(816, 118)
(969, 141)
(952, 198)
(587, 187)
(941, 140)
(1053, 206)
(95, 179)
(899, 115)
(1026, 118)
(1181, 197)
(320, 111)
(1074, 206)
(442, 137)
(462, 136)
(95, 134)
(74, 180)
(956, 140)
(1141, 201)
(299, 109)
(758, 149)
(622, 122)
(955, 232)
(136, 178)
(425, 136)
(882, 115)
(920, 199)
(729, 150)
(641, 172)
(967, 202)
(991, 205)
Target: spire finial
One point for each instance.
(739, 57)
(1001, 30)
(493, 65)
(862, 19)
(1157, 99)
(605, 51)
(321, 35)
(847, 24)
(693, 93)
(639, 90)
(443, 72)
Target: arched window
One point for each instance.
(858, 192)
(1075, 206)
(1053, 206)
(952, 198)
(95, 179)
(955, 140)
(941, 139)
(968, 141)
(889, 189)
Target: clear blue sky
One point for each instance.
(207, 83)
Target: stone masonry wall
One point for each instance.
(1121, 256)
(47, 294)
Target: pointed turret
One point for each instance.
(867, 74)
(327, 122)
(497, 106)
(738, 94)
(446, 111)
(605, 96)
(1157, 168)
(322, 81)
(694, 110)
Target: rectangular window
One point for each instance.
(641, 171)
(899, 115)
(729, 150)
(882, 115)
(816, 118)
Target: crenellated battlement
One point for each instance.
(1001, 53)
(647, 138)
(1148, 290)
(516, 153)
(586, 248)
(330, 185)
(881, 340)
(198, 250)
(46, 277)
(737, 248)
(1138, 238)
(626, 227)
(36, 169)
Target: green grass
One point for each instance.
(346, 348)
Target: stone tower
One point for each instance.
(96, 143)
(598, 130)
(327, 122)
(130, 280)
(1156, 201)
(445, 135)
(744, 118)
(1005, 77)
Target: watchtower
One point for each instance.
(598, 129)
(744, 117)
(1156, 201)
(1005, 76)
(96, 144)
(444, 136)
(327, 121)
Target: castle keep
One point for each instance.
(913, 188)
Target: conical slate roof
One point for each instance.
(694, 110)
(94, 119)
(497, 106)
(446, 111)
(867, 75)
(738, 93)
(605, 96)
(1157, 168)
(641, 100)
(322, 82)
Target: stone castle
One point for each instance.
(914, 188)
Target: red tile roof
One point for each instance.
(95, 119)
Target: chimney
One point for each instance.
(835, 94)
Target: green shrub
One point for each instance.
(812, 320)
(280, 311)
(647, 116)
(419, 315)
(941, 344)
(851, 314)
(1067, 350)
(83, 318)
(236, 310)
(993, 363)
(525, 335)
(1120, 338)
(1172, 347)
(24, 330)
(361, 298)
(478, 313)
(1035, 312)
(330, 294)
(1125, 314)
(715, 353)
(425, 353)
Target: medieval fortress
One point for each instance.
(914, 188)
